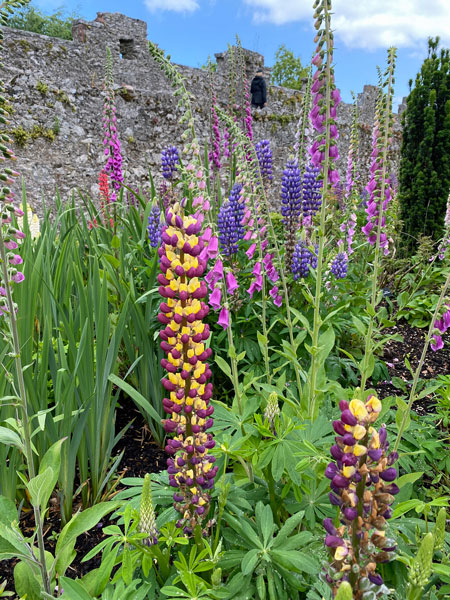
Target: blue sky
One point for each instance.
(190, 30)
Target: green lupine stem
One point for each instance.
(235, 374)
(221, 504)
(376, 263)
(24, 413)
(317, 321)
(412, 394)
(285, 289)
(274, 503)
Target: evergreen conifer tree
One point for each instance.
(424, 179)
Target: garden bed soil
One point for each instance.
(142, 455)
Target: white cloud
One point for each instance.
(367, 24)
(173, 5)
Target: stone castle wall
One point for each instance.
(56, 91)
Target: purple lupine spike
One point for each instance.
(226, 224)
(291, 206)
(302, 259)
(238, 208)
(311, 191)
(264, 154)
(154, 227)
(291, 192)
(360, 543)
(169, 162)
(339, 265)
(230, 221)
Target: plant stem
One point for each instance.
(24, 412)
(317, 321)
(376, 263)
(412, 394)
(272, 494)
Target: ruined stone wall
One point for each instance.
(56, 93)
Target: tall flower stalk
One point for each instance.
(111, 142)
(378, 187)
(10, 276)
(191, 470)
(323, 152)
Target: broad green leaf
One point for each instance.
(409, 478)
(79, 523)
(10, 438)
(8, 511)
(73, 590)
(25, 582)
(224, 366)
(51, 460)
(404, 507)
(41, 486)
(265, 522)
(298, 561)
(288, 528)
(250, 561)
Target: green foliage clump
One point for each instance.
(425, 158)
(42, 87)
(30, 18)
(288, 69)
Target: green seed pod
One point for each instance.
(420, 570)
(439, 530)
(344, 592)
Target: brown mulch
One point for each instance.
(395, 353)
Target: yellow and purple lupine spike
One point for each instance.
(362, 487)
(183, 260)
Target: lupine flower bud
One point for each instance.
(439, 530)
(147, 521)
(420, 570)
(272, 409)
